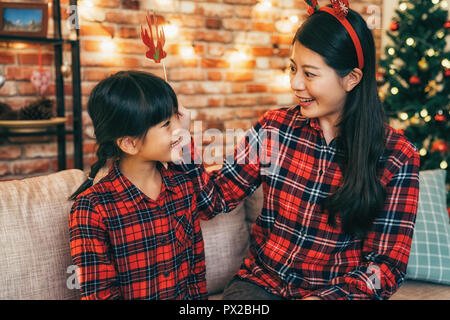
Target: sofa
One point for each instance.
(35, 259)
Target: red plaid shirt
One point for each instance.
(128, 246)
(294, 253)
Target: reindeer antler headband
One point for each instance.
(339, 11)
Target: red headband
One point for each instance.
(340, 11)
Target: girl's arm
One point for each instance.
(386, 249)
(89, 249)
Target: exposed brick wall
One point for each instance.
(223, 93)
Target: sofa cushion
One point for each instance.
(34, 237)
(226, 240)
(429, 259)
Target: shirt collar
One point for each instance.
(300, 121)
(122, 184)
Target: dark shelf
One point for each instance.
(34, 134)
(60, 130)
(50, 41)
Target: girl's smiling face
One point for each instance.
(320, 91)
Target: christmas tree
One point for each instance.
(414, 79)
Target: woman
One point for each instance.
(340, 203)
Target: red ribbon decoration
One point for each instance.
(157, 52)
(340, 10)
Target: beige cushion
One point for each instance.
(226, 244)
(34, 236)
(418, 290)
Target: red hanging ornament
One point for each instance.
(40, 78)
(379, 76)
(393, 26)
(439, 117)
(414, 80)
(447, 24)
(439, 145)
(447, 72)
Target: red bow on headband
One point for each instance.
(340, 7)
(339, 11)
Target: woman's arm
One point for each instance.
(386, 249)
(222, 190)
(89, 249)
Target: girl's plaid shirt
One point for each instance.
(128, 246)
(293, 252)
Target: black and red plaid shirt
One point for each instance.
(128, 246)
(294, 253)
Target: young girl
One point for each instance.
(136, 234)
(339, 209)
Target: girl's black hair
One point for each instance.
(361, 130)
(125, 104)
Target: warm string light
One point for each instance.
(264, 5)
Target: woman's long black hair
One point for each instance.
(125, 104)
(361, 130)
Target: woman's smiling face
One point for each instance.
(319, 89)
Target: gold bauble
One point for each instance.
(431, 88)
(66, 70)
(423, 64)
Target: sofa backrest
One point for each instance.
(35, 261)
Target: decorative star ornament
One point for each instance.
(155, 51)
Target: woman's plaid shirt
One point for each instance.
(293, 252)
(128, 246)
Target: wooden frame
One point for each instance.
(13, 11)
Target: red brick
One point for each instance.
(10, 152)
(239, 76)
(30, 166)
(128, 32)
(41, 150)
(256, 88)
(215, 63)
(235, 101)
(7, 57)
(4, 169)
(262, 51)
(32, 58)
(95, 74)
(214, 75)
(19, 73)
(213, 23)
(96, 30)
(263, 26)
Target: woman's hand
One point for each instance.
(185, 117)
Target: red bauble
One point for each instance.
(393, 26)
(414, 80)
(439, 118)
(379, 76)
(439, 145)
(447, 73)
(447, 24)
